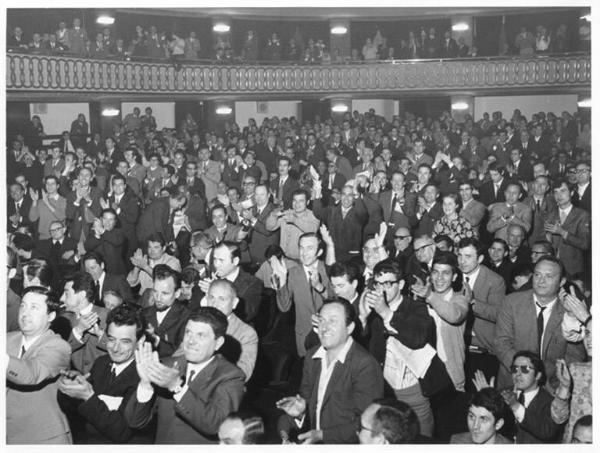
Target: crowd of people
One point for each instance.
(157, 44)
(417, 280)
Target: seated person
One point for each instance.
(582, 431)
(387, 421)
(485, 419)
(240, 428)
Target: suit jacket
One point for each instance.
(522, 216)
(156, 218)
(103, 425)
(488, 292)
(197, 187)
(231, 175)
(289, 186)
(395, 219)
(214, 393)
(170, 330)
(259, 237)
(429, 218)
(85, 351)
(547, 205)
(23, 212)
(111, 247)
(537, 425)
(353, 385)
(465, 438)
(79, 217)
(515, 331)
(486, 192)
(306, 300)
(338, 181)
(571, 249)
(230, 233)
(249, 291)
(32, 412)
(584, 202)
(375, 217)
(524, 172)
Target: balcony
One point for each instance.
(28, 73)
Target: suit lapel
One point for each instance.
(552, 326)
(337, 373)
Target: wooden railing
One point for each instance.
(40, 73)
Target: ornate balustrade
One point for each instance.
(39, 73)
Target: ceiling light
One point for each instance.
(460, 106)
(110, 112)
(224, 110)
(460, 27)
(339, 108)
(585, 104)
(339, 30)
(105, 20)
(221, 28)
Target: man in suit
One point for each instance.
(284, 185)
(222, 230)
(209, 171)
(509, 212)
(333, 179)
(193, 395)
(399, 207)
(59, 250)
(259, 238)
(35, 357)
(158, 216)
(18, 207)
(83, 205)
(231, 174)
(345, 223)
(366, 165)
(87, 321)
(268, 154)
(449, 47)
(519, 169)
(127, 207)
(582, 195)
(342, 166)
(104, 281)
(340, 379)
(486, 290)
(226, 260)
(472, 210)
(519, 315)
(101, 398)
(493, 190)
(569, 230)
(165, 319)
(193, 182)
(542, 204)
(305, 286)
(108, 242)
(429, 211)
(538, 146)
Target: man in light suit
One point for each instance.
(486, 290)
(209, 171)
(87, 321)
(472, 210)
(510, 212)
(193, 395)
(331, 403)
(305, 286)
(36, 355)
(569, 230)
(517, 320)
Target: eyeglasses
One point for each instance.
(54, 230)
(524, 369)
(387, 284)
(248, 183)
(581, 171)
(401, 237)
(423, 247)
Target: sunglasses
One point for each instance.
(524, 369)
(401, 237)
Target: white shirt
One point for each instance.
(472, 277)
(196, 368)
(326, 372)
(233, 275)
(581, 189)
(564, 213)
(310, 269)
(119, 367)
(160, 315)
(27, 343)
(100, 283)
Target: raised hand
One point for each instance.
(315, 282)
(294, 406)
(34, 195)
(325, 235)
(574, 305)
(85, 323)
(563, 374)
(143, 358)
(480, 382)
(104, 203)
(375, 300)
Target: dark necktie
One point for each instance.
(97, 294)
(394, 201)
(521, 399)
(55, 251)
(190, 377)
(112, 377)
(538, 206)
(23, 350)
(540, 325)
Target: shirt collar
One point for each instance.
(119, 367)
(85, 310)
(548, 305)
(28, 342)
(341, 357)
(233, 275)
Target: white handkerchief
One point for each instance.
(112, 402)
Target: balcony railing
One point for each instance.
(42, 73)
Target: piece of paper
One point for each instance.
(112, 402)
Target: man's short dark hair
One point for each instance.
(446, 258)
(349, 312)
(126, 315)
(163, 271)
(584, 422)
(500, 241)
(301, 192)
(388, 266)
(190, 275)
(320, 246)
(23, 241)
(491, 400)
(232, 247)
(51, 303)
(396, 421)
(472, 242)
(554, 260)
(156, 237)
(82, 281)
(217, 207)
(118, 177)
(93, 256)
(348, 270)
(213, 317)
(444, 238)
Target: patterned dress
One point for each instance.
(456, 228)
